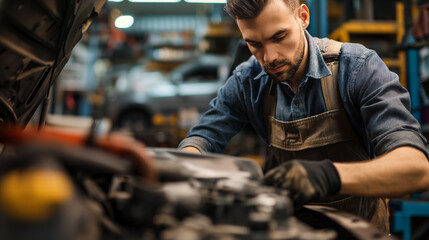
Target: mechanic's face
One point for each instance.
(276, 38)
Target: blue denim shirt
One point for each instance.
(377, 106)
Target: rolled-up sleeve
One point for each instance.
(385, 107)
(197, 142)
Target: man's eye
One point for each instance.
(279, 38)
(255, 45)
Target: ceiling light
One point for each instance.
(124, 21)
(154, 1)
(115, 0)
(205, 1)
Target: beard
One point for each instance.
(293, 66)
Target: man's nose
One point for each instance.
(270, 53)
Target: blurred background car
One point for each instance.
(138, 95)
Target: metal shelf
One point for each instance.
(395, 28)
(365, 27)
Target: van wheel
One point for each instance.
(135, 121)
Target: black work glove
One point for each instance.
(306, 181)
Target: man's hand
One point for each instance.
(305, 180)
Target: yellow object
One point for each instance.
(158, 119)
(379, 27)
(164, 120)
(33, 194)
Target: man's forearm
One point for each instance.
(402, 171)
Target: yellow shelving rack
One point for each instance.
(379, 27)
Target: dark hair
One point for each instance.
(248, 9)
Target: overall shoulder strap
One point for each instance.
(329, 84)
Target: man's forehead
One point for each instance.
(259, 31)
(252, 36)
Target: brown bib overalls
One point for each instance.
(328, 135)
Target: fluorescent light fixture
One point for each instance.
(205, 1)
(124, 21)
(154, 1)
(115, 0)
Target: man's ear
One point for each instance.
(304, 16)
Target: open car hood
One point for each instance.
(36, 41)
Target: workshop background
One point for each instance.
(150, 67)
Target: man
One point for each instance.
(343, 114)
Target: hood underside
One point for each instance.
(36, 40)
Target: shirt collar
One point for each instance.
(317, 68)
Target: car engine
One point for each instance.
(56, 185)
